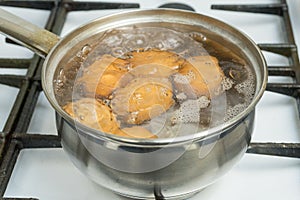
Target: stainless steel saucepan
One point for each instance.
(141, 168)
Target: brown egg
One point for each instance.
(199, 76)
(94, 114)
(108, 73)
(155, 63)
(104, 75)
(142, 99)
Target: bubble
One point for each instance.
(178, 78)
(181, 96)
(136, 41)
(234, 111)
(86, 49)
(158, 45)
(191, 75)
(197, 36)
(189, 110)
(227, 83)
(118, 52)
(113, 40)
(83, 53)
(133, 117)
(138, 96)
(203, 102)
(173, 42)
(81, 117)
(163, 91)
(247, 87)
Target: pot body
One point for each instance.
(200, 162)
(179, 167)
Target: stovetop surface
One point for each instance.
(48, 174)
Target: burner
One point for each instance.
(177, 6)
(14, 136)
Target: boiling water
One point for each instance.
(189, 113)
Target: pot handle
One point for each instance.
(27, 34)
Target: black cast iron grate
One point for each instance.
(14, 137)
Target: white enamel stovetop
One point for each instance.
(48, 174)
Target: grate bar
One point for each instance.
(83, 6)
(294, 59)
(280, 48)
(7, 164)
(28, 107)
(290, 89)
(42, 5)
(274, 9)
(19, 199)
(56, 19)
(287, 26)
(12, 80)
(16, 109)
(281, 71)
(38, 140)
(180, 6)
(10, 41)
(276, 149)
(14, 63)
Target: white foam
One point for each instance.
(189, 110)
(203, 101)
(181, 96)
(178, 78)
(226, 83)
(191, 75)
(247, 87)
(235, 110)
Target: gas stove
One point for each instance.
(33, 165)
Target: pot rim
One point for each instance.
(211, 132)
